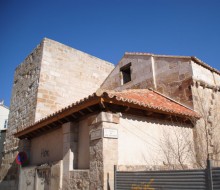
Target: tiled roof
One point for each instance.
(142, 99)
(150, 99)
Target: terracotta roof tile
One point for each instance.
(138, 98)
(153, 100)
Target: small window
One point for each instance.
(126, 73)
(6, 123)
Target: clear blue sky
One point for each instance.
(106, 29)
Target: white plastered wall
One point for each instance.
(3, 116)
(143, 141)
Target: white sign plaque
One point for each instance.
(97, 134)
(110, 133)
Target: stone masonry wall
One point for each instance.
(171, 76)
(174, 78)
(2, 142)
(141, 74)
(67, 75)
(206, 101)
(103, 151)
(22, 112)
(51, 77)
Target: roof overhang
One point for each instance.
(95, 103)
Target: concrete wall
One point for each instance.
(3, 116)
(40, 178)
(47, 148)
(154, 142)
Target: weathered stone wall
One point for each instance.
(206, 101)
(22, 111)
(2, 143)
(171, 76)
(141, 74)
(33, 177)
(67, 75)
(51, 77)
(103, 151)
(79, 179)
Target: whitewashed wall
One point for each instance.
(143, 141)
(3, 116)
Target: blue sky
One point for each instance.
(107, 29)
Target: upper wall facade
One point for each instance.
(171, 76)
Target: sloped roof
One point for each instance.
(150, 99)
(143, 99)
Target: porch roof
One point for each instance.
(145, 100)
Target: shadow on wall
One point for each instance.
(2, 144)
(11, 176)
(163, 121)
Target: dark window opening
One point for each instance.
(126, 73)
(6, 123)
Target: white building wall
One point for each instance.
(144, 141)
(3, 116)
(202, 74)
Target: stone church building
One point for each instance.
(76, 117)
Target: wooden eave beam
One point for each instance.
(58, 116)
(89, 109)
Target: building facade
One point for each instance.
(50, 78)
(77, 116)
(4, 111)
